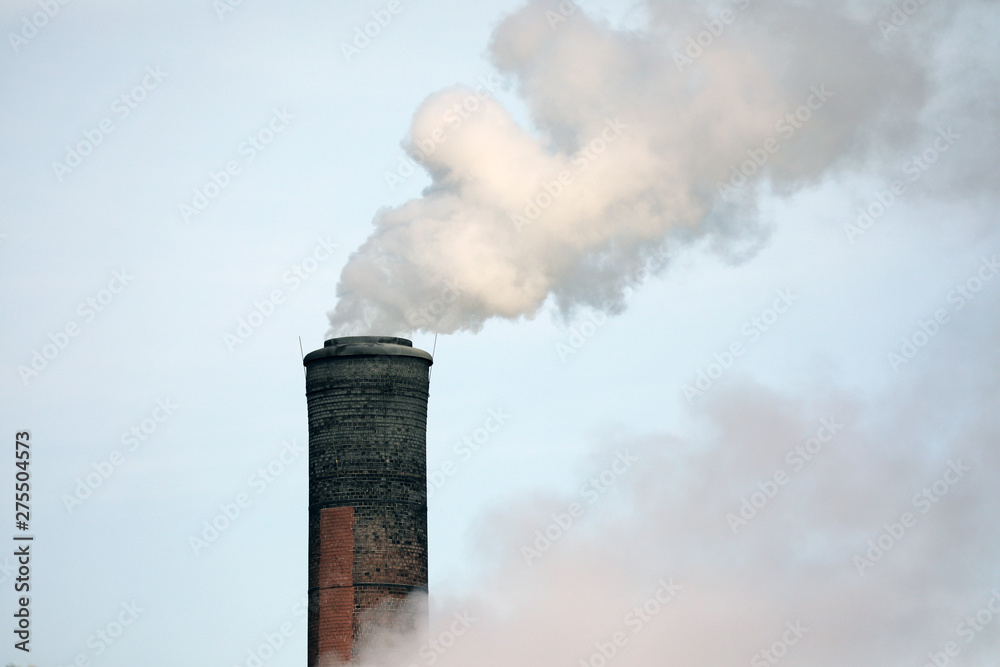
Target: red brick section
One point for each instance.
(335, 626)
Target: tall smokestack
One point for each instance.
(367, 402)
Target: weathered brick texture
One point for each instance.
(367, 402)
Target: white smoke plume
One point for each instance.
(639, 139)
(878, 544)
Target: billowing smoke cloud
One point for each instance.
(819, 529)
(639, 139)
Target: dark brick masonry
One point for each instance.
(367, 402)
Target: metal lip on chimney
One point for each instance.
(367, 346)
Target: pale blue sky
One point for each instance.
(323, 178)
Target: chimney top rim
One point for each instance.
(367, 346)
(367, 340)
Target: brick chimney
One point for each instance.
(367, 404)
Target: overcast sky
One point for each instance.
(715, 283)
